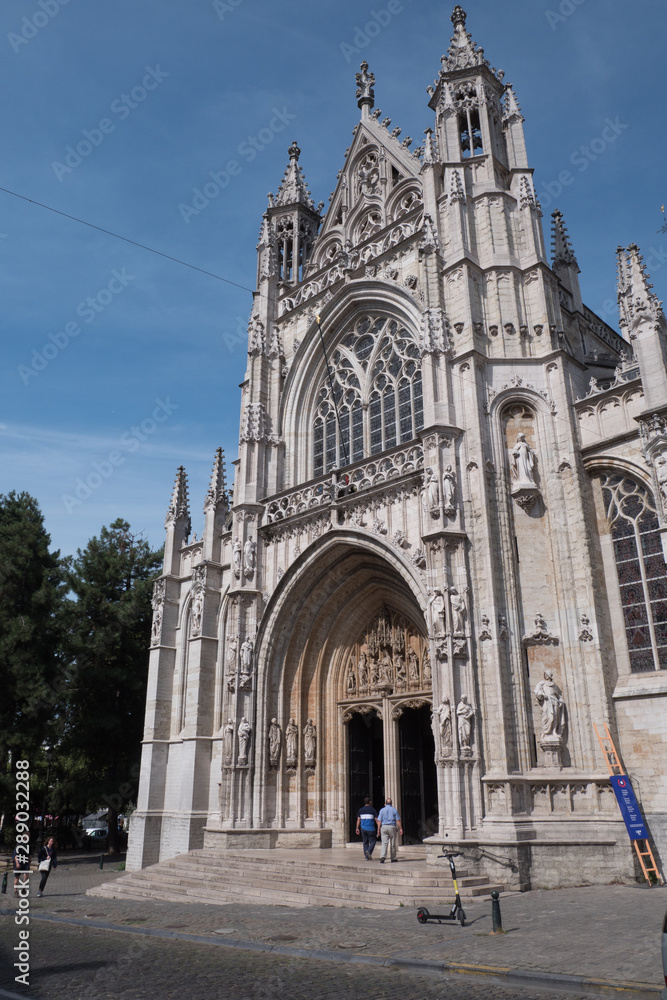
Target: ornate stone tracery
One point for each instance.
(390, 657)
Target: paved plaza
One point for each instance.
(578, 940)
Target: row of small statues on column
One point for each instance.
(465, 718)
(292, 743)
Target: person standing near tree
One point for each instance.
(389, 822)
(47, 859)
(366, 826)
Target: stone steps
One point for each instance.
(209, 876)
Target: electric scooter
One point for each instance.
(457, 912)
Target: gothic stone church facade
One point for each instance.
(444, 556)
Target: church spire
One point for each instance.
(643, 322)
(293, 189)
(564, 263)
(177, 523)
(217, 490)
(463, 53)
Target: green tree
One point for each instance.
(109, 621)
(32, 666)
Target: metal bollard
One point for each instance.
(496, 919)
(101, 862)
(4, 882)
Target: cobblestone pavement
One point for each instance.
(73, 963)
(609, 933)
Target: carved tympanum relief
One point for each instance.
(390, 657)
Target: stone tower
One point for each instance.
(442, 560)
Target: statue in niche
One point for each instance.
(249, 557)
(386, 670)
(438, 613)
(550, 699)
(228, 742)
(426, 668)
(465, 714)
(237, 549)
(197, 610)
(309, 743)
(431, 494)
(458, 606)
(399, 664)
(449, 491)
(413, 661)
(374, 672)
(444, 713)
(291, 742)
(523, 462)
(246, 656)
(244, 731)
(274, 742)
(351, 686)
(363, 671)
(156, 628)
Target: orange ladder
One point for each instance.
(615, 767)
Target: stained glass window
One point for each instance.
(377, 385)
(642, 573)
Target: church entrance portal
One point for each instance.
(419, 786)
(366, 764)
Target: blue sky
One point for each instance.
(169, 91)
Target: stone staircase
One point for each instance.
(295, 878)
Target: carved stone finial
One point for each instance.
(179, 508)
(294, 151)
(365, 82)
(563, 254)
(217, 490)
(459, 16)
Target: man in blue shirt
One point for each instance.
(388, 823)
(366, 822)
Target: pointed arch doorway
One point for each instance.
(387, 711)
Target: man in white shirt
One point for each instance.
(389, 822)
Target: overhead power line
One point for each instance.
(125, 239)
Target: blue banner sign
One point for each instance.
(628, 806)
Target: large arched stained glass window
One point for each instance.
(377, 386)
(642, 573)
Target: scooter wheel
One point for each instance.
(462, 918)
(422, 915)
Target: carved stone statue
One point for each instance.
(523, 462)
(449, 491)
(399, 664)
(413, 662)
(244, 731)
(438, 613)
(374, 672)
(237, 549)
(363, 671)
(232, 646)
(197, 610)
(291, 742)
(465, 714)
(156, 628)
(661, 474)
(458, 606)
(309, 743)
(444, 713)
(431, 494)
(550, 699)
(249, 557)
(228, 742)
(274, 742)
(386, 670)
(351, 686)
(426, 668)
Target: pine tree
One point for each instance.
(109, 635)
